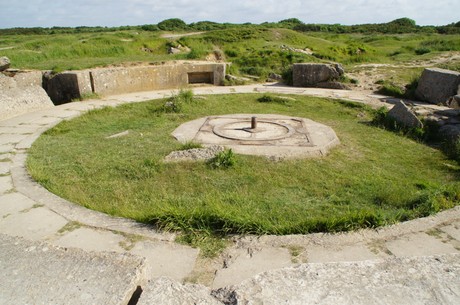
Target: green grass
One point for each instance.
(375, 177)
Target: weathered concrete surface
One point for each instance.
(242, 264)
(416, 245)
(28, 78)
(45, 224)
(91, 240)
(166, 259)
(38, 273)
(437, 85)
(403, 115)
(312, 74)
(165, 291)
(280, 137)
(16, 99)
(419, 280)
(143, 78)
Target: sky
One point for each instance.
(45, 13)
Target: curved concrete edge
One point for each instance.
(25, 185)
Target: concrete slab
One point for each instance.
(6, 148)
(166, 259)
(14, 203)
(4, 167)
(412, 281)
(165, 291)
(453, 230)
(35, 224)
(351, 253)
(38, 273)
(46, 120)
(27, 142)
(19, 129)
(8, 138)
(91, 240)
(6, 184)
(419, 244)
(244, 265)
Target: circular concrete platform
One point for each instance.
(270, 135)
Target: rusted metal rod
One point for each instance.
(253, 122)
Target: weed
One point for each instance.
(176, 101)
(190, 145)
(223, 160)
(267, 98)
(210, 245)
(70, 226)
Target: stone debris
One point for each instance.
(16, 98)
(306, 51)
(315, 75)
(4, 63)
(118, 135)
(416, 280)
(404, 115)
(39, 273)
(194, 154)
(169, 292)
(454, 102)
(437, 85)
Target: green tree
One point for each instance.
(172, 24)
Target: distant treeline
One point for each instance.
(398, 26)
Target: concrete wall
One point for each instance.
(24, 91)
(108, 81)
(143, 78)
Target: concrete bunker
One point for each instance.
(68, 85)
(200, 77)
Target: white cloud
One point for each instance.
(136, 12)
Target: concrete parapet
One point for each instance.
(108, 81)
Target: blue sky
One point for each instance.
(45, 13)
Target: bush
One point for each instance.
(452, 149)
(287, 76)
(173, 24)
(175, 102)
(422, 50)
(224, 159)
(389, 88)
(272, 99)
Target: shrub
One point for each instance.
(452, 149)
(266, 98)
(287, 76)
(422, 50)
(224, 159)
(172, 24)
(175, 102)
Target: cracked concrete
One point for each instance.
(30, 216)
